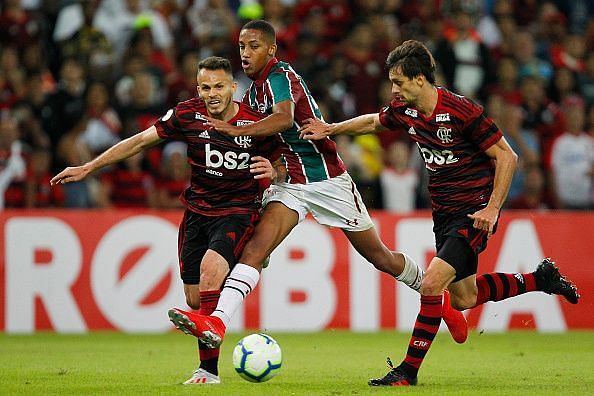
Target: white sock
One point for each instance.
(240, 282)
(412, 274)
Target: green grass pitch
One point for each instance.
(327, 363)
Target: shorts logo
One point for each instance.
(243, 141)
(231, 235)
(445, 135)
(351, 223)
(411, 131)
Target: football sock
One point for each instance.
(426, 327)
(209, 357)
(496, 286)
(240, 282)
(412, 274)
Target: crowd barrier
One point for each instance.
(79, 271)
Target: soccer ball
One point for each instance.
(257, 357)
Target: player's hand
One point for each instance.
(314, 129)
(262, 168)
(69, 175)
(485, 219)
(223, 127)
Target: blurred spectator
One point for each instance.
(586, 79)
(369, 166)
(12, 164)
(399, 181)
(63, 108)
(103, 126)
(18, 27)
(38, 192)
(464, 59)
(506, 83)
(572, 162)
(86, 43)
(524, 142)
(334, 18)
(570, 54)
(211, 18)
(528, 64)
(183, 85)
(174, 176)
(532, 196)
(365, 71)
(118, 20)
(540, 115)
(129, 185)
(72, 151)
(277, 13)
(563, 87)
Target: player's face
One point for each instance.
(255, 51)
(404, 88)
(216, 88)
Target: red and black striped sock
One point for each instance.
(209, 357)
(426, 327)
(496, 286)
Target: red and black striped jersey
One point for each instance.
(221, 182)
(452, 142)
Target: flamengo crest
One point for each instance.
(243, 141)
(445, 135)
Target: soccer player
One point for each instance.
(470, 168)
(317, 183)
(223, 200)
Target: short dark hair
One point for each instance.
(414, 59)
(263, 26)
(216, 63)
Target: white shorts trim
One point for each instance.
(334, 202)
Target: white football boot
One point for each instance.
(202, 376)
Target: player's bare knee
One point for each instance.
(431, 286)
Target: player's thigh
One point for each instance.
(336, 202)
(227, 237)
(275, 224)
(192, 246)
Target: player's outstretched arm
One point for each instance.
(124, 149)
(279, 121)
(315, 129)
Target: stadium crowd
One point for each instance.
(78, 76)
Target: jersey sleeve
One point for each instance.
(389, 118)
(482, 130)
(284, 86)
(171, 125)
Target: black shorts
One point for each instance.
(226, 235)
(458, 243)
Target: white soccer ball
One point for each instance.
(257, 357)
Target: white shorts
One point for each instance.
(333, 202)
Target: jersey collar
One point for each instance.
(264, 73)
